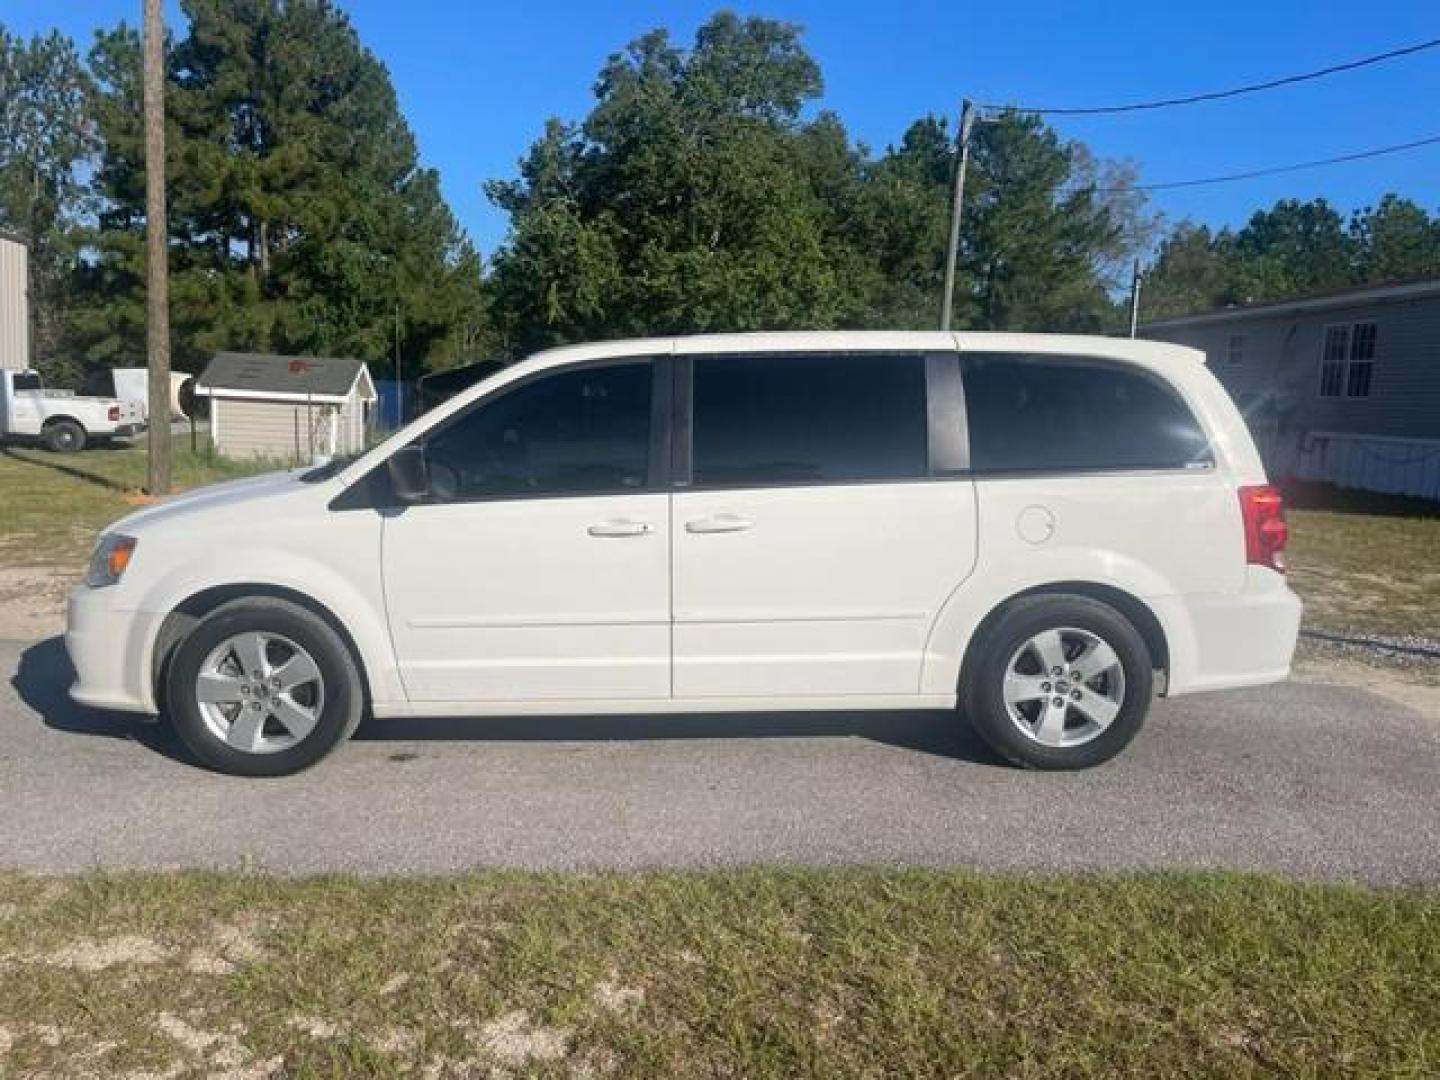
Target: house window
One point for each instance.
(1235, 350)
(1347, 359)
(1362, 359)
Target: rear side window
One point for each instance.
(797, 419)
(1033, 414)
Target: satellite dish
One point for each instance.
(190, 403)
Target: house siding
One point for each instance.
(1277, 387)
(350, 437)
(275, 429)
(1282, 364)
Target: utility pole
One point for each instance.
(399, 384)
(157, 256)
(1135, 299)
(952, 252)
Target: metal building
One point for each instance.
(1342, 387)
(14, 303)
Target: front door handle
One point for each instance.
(720, 523)
(620, 527)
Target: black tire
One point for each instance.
(63, 437)
(982, 681)
(343, 693)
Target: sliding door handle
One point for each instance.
(620, 528)
(720, 523)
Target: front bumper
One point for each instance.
(109, 647)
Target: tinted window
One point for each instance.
(577, 432)
(1048, 415)
(808, 419)
(27, 381)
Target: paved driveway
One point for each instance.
(1316, 780)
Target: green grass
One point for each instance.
(1367, 573)
(54, 504)
(749, 973)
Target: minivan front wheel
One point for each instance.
(263, 687)
(1058, 682)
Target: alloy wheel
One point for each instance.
(1064, 687)
(260, 693)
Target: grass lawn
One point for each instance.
(1367, 573)
(52, 505)
(744, 973)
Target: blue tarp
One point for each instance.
(396, 401)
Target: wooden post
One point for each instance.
(157, 256)
(957, 208)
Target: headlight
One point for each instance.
(111, 557)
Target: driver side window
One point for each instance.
(584, 431)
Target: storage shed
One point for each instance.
(291, 408)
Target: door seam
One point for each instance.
(670, 579)
(389, 622)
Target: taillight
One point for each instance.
(1263, 510)
(114, 414)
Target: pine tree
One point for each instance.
(46, 140)
(301, 218)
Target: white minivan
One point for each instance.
(1041, 531)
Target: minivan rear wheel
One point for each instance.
(1057, 682)
(263, 687)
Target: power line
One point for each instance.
(1272, 171)
(1216, 95)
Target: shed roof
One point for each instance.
(284, 378)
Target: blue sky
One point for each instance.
(477, 80)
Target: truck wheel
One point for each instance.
(63, 437)
(1058, 682)
(263, 687)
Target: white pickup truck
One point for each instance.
(61, 420)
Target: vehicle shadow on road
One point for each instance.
(42, 681)
(44, 675)
(941, 733)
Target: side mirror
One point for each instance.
(409, 474)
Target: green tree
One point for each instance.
(898, 223)
(47, 139)
(1395, 240)
(1194, 269)
(300, 216)
(1295, 247)
(1291, 249)
(1047, 230)
(698, 195)
(681, 202)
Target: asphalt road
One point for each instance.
(1314, 780)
